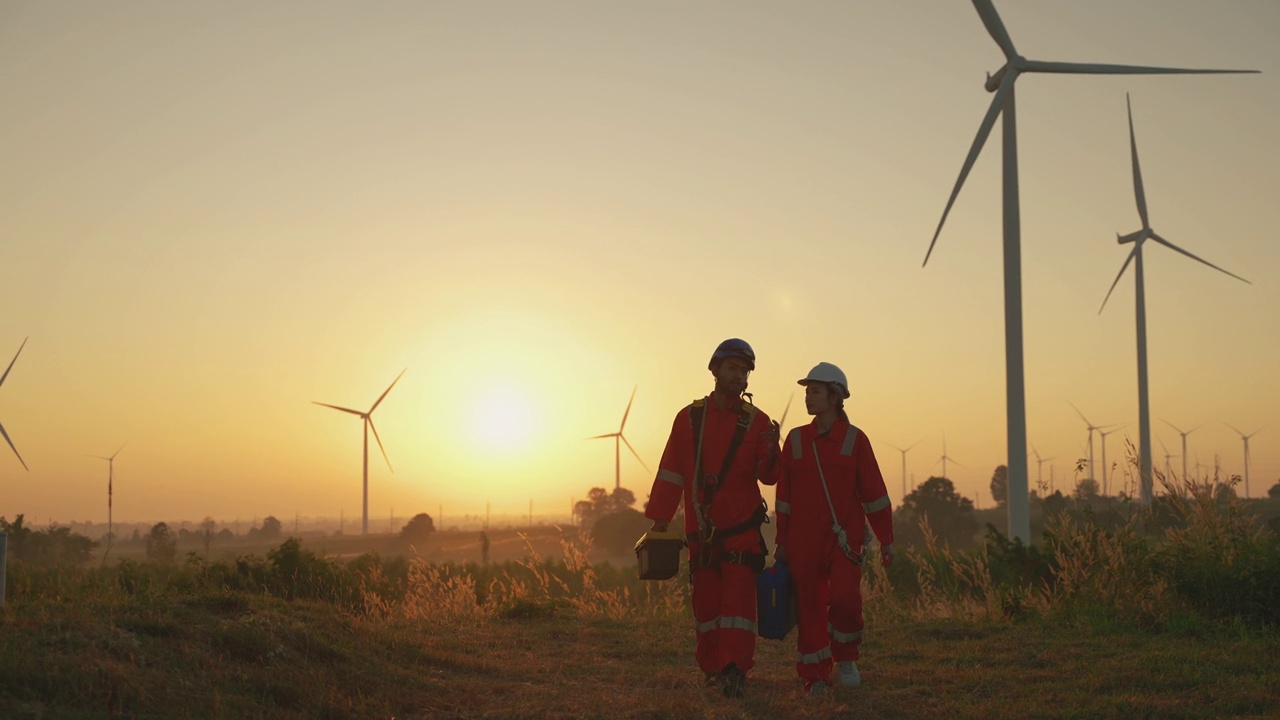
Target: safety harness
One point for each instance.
(842, 537)
(711, 539)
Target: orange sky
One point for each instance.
(217, 214)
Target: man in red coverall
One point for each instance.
(719, 446)
(829, 490)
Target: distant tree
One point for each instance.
(225, 535)
(1000, 485)
(1274, 492)
(1087, 491)
(1224, 493)
(161, 545)
(618, 531)
(271, 528)
(54, 547)
(136, 537)
(418, 530)
(1055, 504)
(950, 514)
(601, 502)
(208, 527)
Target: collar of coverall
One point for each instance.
(835, 434)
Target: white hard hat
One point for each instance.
(825, 372)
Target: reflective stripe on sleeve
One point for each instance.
(813, 658)
(782, 506)
(843, 637)
(878, 504)
(850, 436)
(674, 478)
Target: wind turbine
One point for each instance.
(785, 410)
(1001, 83)
(2, 379)
(1168, 467)
(1091, 427)
(904, 462)
(1106, 469)
(945, 458)
(1040, 467)
(618, 440)
(1246, 455)
(1184, 445)
(111, 478)
(1135, 256)
(367, 417)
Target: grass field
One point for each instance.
(1171, 614)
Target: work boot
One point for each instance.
(816, 689)
(848, 672)
(733, 682)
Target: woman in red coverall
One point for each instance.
(830, 488)
(719, 446)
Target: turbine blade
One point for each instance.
(1125, 266)
(1082, 417)
(335, 407)
(786, 409)
(384, 392)
(597, 437)
(374, 428)
(14, 360)
(914, 444)
(995, 26)
(1137, 171)
(1175, 427)
(15, 450)
(1175, 248)
(1233, 428)
(956, 462)
(117, 452)
(984, 130)
(633, 452)
(628, 410)
(1108, 69)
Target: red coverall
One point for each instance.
(724, 593)
(828, 584)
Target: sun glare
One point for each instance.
(502, 419)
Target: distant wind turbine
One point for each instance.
(618, 440)
(1184, 445)
(1246, 455)
(1140, 309)
(1106, 469)
(2, 379)
(367, 417)
(945, 457)
(1040, 467)
(1091, 427)
(904, 463)
(1001, 83)
(111, 478)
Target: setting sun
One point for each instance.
(502, 419)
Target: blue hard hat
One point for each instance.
(733, 347)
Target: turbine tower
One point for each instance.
(1106, 469)
(1184, 445)
(1003, 105)
(904, 463)
(111, 478)
(367, 418)
(618, 440)
(2, 379)
(1091, 427)
(1246, 455)
(1135, 256)
(945, 457)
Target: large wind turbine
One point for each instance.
(1135, 256)
(618, 440)
(1001, 83)
(111, 479)
(1091, 427)
(367, 417)
(1246, 455)
(2, 379)
(904, 463)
